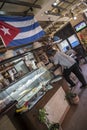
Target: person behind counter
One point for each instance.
(69, 65)
(72, 53)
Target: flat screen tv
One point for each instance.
(73, 40)
(80, 26)
(62, 45)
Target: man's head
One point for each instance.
(51, 52)
(67, 48)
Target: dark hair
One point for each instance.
(67, 47)
(51, 52)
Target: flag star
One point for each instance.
(5, 30)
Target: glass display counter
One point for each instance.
(28, 89)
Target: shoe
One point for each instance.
(72, 86)
(83, 86)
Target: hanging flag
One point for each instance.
(7, 32)
(16, 31)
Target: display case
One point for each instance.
(29, 89)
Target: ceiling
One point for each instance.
(50, 17)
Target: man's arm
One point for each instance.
(55, 67)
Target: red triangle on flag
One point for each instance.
(7, 32)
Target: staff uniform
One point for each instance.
(69, 65)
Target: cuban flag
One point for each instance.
(17, 30)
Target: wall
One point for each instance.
(82, 35)
(78, 20)
(65, 32)
(68, 30)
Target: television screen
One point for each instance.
(80, 26)
(73, 40)
(62, 45)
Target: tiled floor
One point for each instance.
(76, 118)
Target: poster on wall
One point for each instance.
(73, 40)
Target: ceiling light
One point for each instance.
(46, 12)
(74, 17)
(54, 4)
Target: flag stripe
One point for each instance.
(28, 33)
(16, 18)
(29, 28)
(22, 23)
(27, 40)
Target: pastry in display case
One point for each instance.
(30, 88)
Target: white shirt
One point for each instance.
(70, 52)
(63, 60)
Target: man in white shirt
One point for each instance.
(72, 53)
(69, 65)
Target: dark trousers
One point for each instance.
(76, 70)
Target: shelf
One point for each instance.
(28, 88)
(32, 93)
(8, 87)
(7, 68)
(34, 102)
(28, 82)
(28, 96)
(13, 58)
(17, 56)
